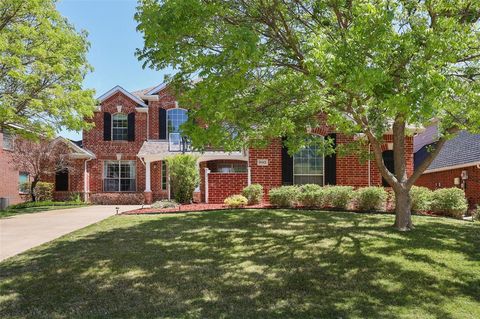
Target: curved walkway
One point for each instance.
(22, 232)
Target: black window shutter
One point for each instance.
(162, 124)
(131, 126)
(107, 126)
(287, 167)
(331, 164)
(61, 180)
(389, 163)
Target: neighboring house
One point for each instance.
(12, 181)
(135, 131)
(457, 164)
(10, 178)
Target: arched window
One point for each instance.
(120, 127)
(389, 163)
(308, 166)
(176, 117)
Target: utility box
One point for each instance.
(4, 203)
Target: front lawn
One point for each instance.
(35, 207)
(244, 264)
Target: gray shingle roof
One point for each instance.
(462, 149)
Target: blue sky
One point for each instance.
(113, 40)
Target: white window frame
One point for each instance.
(168, 113)
(323, 167)
(113, 119)
(11, 145)
(19, 184)
(104, 177)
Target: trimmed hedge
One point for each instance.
(284, 196)
(371, 198)
(338, 196)
(421, 198)
(449, 202)
(253, 193)
(311, 195)
(236, 201)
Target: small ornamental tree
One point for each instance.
(268, 68)
(184, 176)
(40, 159)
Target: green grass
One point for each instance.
(250, 264)
(35, 209)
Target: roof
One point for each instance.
(118, 88)
(143, 92)
(462, 150)
(77, 150)
(428, 136)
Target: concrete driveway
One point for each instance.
(22, 232)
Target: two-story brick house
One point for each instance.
(135, 131)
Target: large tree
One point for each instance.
(268, 67)
(42, 66)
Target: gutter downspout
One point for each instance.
(369, 167)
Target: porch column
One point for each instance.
(148, 190)
(206, 184)
(249, 176)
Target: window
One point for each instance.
(389, 163)
(176, 117)
(23, 182)
(120, 127)
(8, 139)
(164, 175)
(119, 176)
(223, 167)
(308, 166)
(61, 180)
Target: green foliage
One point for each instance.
(311, 195)
(284, 196)
(44, 203)
(338, 196)
(76, 197)
(43, 191)
(184, 176)
(165, 204)
(253, 193)
(449, 202)
(371, 198)
(476, 214)
(236, 201)
(421, 198)
(43, 64)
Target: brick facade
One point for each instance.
(9, 176)
(350, 171)
(445, 179)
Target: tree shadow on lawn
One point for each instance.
(266, 264)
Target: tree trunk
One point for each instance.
(32, 189)
(403, 209)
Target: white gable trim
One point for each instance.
(157, 89)
(116, 89)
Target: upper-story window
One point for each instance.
(8, 141)
(308, 166)
(176, 117)
(120, 127)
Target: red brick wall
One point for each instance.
(166, 101)
(8, 176)
(222, 185)
(445, 179)
(268, 176)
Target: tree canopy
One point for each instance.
(42, 66)
(269, 67)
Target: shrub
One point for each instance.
(421, 198)
(284, 196)
(44, 203)
(184, 176)
(371, 198)
(117, 198)
(338, 196)
(476, 214)
(449, 202)
(311, 195)
(235, 201)
(253, 193)
(165, 204)
(43, 191)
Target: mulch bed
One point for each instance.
(201, 207)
